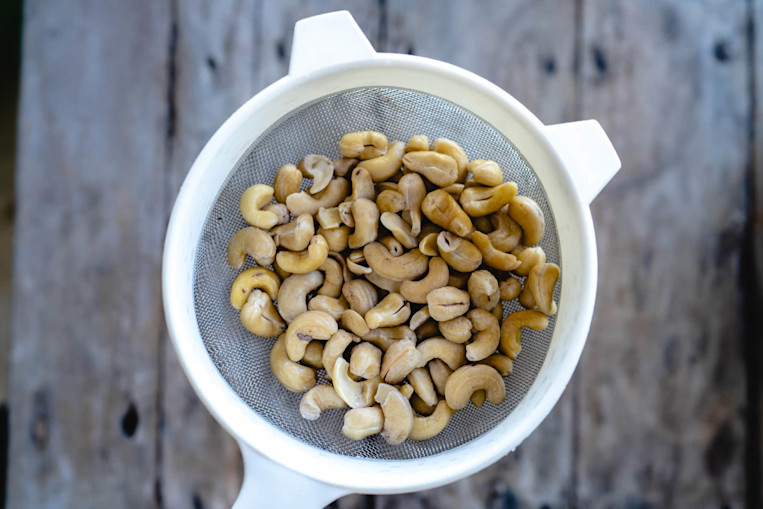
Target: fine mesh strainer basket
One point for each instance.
(337, 84)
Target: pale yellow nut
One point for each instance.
(457, 330)
(384, 337)
(392, 310)
(319, 168)
(399, 229)
(488, 335)
(511, 329)
(305, 203)
(305, 261)
(248, 280)
(398, 416)
(443, 210)
(328, 217)
(440, 169)
(363, 144)
(318, 399)
(417, 143)
(259, 316)
(459, 253)
(334, 348)
(366, 215)
(386, 186)
(251, 203)
(467, 379)
(420, 407)
(425, 428)
(354, 322)
(419, 318)
(343, 165)
(439, 371)
(333, 279)
(393, 245)
(510, 289)
(280, 210)
(355, 394)
(390, 201)
(454, 150)
(400, 359)
(485, 172)
(478, 398)
(292, 296)
(292, 375)
(278, 270)
(287, 181)
(455, 190)
(296, 235)
(384, 283)
(362, 185)
(497, 311)
(306, 327)
(526, 298)
(398, 268)
(428, 244)
(506, 233)
(483, 290)
(529, 216)
(482, 201)
(360, 294)
(313, 355)
(356, 263)
(384, 167)
(447, 303)
(482, 224)
(413, 191)
(422, 385)
(452, 354)
(365, 360)
(541, 281)
(253, 242)
(360, 423)
(501, 363)
(528, 258)
(492, 256)
(405, 389)
(329, 305)
(345, 213)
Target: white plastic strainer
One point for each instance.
(337, 83)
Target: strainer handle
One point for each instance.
(587, 151)
(326, 40)
(268, 484)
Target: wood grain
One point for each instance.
(662, 376)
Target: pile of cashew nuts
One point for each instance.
(397, 293)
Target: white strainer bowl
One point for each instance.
(337, 83)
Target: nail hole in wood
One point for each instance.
(211, 63)
(721, 51)
(130, 421)
(600, 60)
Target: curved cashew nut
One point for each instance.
(259, 316)
(529, 258)
(337, 238)
(318, 399)
(422, 385)
(334, 348)
(345, 213)
(457, 330)
(483, 289)
(511, 330)
(507, 232)
(363, 144)
(482, 201)
(541, 281)
(485, 172)
(467, 379)
(440, 169)
(251, 203)
(296, 235)
(390, 311)
(384, 337)
(304, 203)
(390, 201)
(497, 311)
(248, 280)
(443, 210)
(425, 428)
(356, 263)
(417, 143)
(492, 256)
(384, 167)
(365, 360)
(447, 303)
(428, 244)
(330, 305)
(454, 150)
(501, 363)
(459, 253)
(292, 296)
(419, 406)
(318, 168)
(384, 283)
(478, 398)
(399, 229)
(419, 318)
(355, 394)
(360, 423)
(413, 191)
(254, 242)
(313, 355)
(398, 416)
(455, 190)
(399, 360)
(354, 322)
(360, 294)
(306, 327)
(452, 354)
(398, 268)
(439, 371)
(343, 165)
(482, 224)
(366, 215)
(329, 218)
(488, 335)
(287, 181)
(294, 376)
(510, 289)
(529, 216)
(362, 185)
(305, 261)
(334, 279)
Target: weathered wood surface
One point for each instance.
(117, 102)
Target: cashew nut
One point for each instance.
(419, 318)
(399, 229)
(454, 150)
(440, 169)
(511, 330)
(328, 217)
(356, 263)
(507, 232)
(360, 294)
(384, 283)
(447, 303)
(305, 261)
(483, 289)
(354, 322)
(488, 335)
(337, 238)
(502, 363)
(318, 399)
(306, 327)
(398, 268)
(254, 242)
(384, 337)
(355, 394)
(292, 375)
(458, 279)
(528, 258)
(419, 406)
(413, 191)
(425, 428)
(417, 143)
(362, 185)
(365, 360)
(400, 359)
(529, 216)
(459, 253)
(304, 203)
(287, 181)
(296, 235)
(363, 144)
(427, 330)
(437, 277)
(313, 355)
(366, 216)
(345, 213)
(455, 190)
(478, 398)
(428, 244)
(280, 210)
(398, 416)
(486, 173)
(422, 385)
(248, 280)
(497, 311)
(383, 167)
(259, 316)
(330, 305)
(343, 165)
(541, 281)
(482, 224)
(390, 311)
(360, 423)
(526, 298)
(480, 201)
(393, 245)
(318, 168)
(292, 296)
(457, 330)
(332, 286)
(467, 379)
(334, 349)
(492, 256)
(443, 210)
(390, 201)
(439, 371)
(251, 203)
(452, 354)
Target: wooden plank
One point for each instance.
(662, 377)
(527, 48)
(86, 308)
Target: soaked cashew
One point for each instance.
(507, 232)
(492, 256)
(399, 360)
(452, 354)
(391, 311)
(417, 143)
(541, 281)
(439, 371)
(398, 416)
(292, 375)
(334, 348)
(329, 305)
(384, 337)
(482, 224)
(384, 283)
(399, 229)
(420, 407)
(337, 238)
(511, 330)
(482, 201)
(440, 169)
(305, 261)
(501, 363)
(443, 210)
(393, 245)
(333, 280)
(455, 190)
(354, 322)
(248, 280)
(356, 263)
(306, 327)
(383, 167)
(422, 385)
(398, 268)
(425, 428)
(488, 335)
(318, 399)
(437, 277)
(454, 150)
(259, 316)
(296, 235)
(467, 379)
(360, 294)
(304, 203)
(363, 144)
(483, 289)
(329, 217)
(318, 168)
(280, 210)
(287, 181)
(529, 216)
(251, 203)
(345, 213)
(486, 173)
(343, 165)
(413, 191)
(497, 311)
(478, 398)
(526, 298)
(528, 258)
(457, 330)
(355, 394)
(362, 185)
(459, 253)
(390, 201)
(360, 423)
(447, 303)
(419, 318)
(313, 355)
(428, 244)
(365, 360)
(253, 242)
(366, 216)
(292, 296)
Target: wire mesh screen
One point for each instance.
(315, 128)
